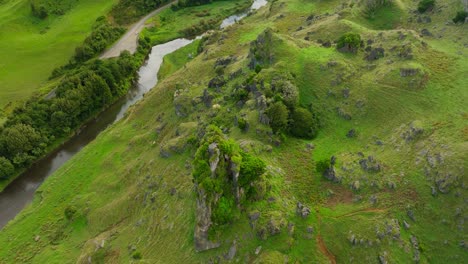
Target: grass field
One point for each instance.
(31, 48)
(121, 188)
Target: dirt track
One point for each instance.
(129, 41)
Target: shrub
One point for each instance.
(251, 169)
(70, 211)
(6, 168)
(278, 115)
(137, 255)
(425, 5)
(223, 213)
(322, 166)
(303, 124)
(349, 42)
(460, 17)
(242, 124)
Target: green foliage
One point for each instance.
(242, 124)
(303, 124)
(223, 213)
(128, 11)
(197, 29)
(460, 17)
(278, 114)
(102, 36)
(44, 8)
(425, 5)
(349, 42)
(137, 255)
(6, 168)
(34, 126)
(70, 212)
(251, 169)
(322, 166)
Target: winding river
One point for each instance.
(21, 191)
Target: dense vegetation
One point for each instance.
(425, 5)
(44, 8)
(128, 11)
(349, 42)
(34, 127)
(460, 17)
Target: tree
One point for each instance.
(19, 139)
(349, 42)
(460, 17)
(425, 5)
(278, 114)
(251, 169)
(303, 124)
(6, 168)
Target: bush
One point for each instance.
(223, 213)
(242, 124)
(6, 168)
(460, 17)
(322, 166)
(70, 212)
(303, 124)
(137, 255)
(349, 42)
(278, 114)
(251, 169)
(425, 5)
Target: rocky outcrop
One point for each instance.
(261, 50)
(203, 224)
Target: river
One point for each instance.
(21, 191)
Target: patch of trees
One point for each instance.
(43, 8)
(349, 42)
(425, 5)
(103, 35)
(128, 11)
(226, 173)
(34, 127)
(201, 27)
(187, 3)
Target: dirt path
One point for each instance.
(323, 248)
(366, 210)
(129, 41)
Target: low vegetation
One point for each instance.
(425, 5)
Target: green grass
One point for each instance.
(31, 48)
(177, 60)
(112, 180)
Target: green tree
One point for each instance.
(251, 169)
(425, 5)
(19, 139)
(6, 168)
(460, 17)
(349, 42)
(303, 124)
(278, 114)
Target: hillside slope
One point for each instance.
(31, 47)
(393, 138)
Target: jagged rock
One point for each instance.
(393, 228)
(406, 225)
(274, 227)
(37, 238)
(414, 242)
(370, 164)
(254, 216)
(310, 229)
(405, 72)
(224, 61)
(207, 98)
(392, 185)
(433, 191)
(342, 113)
(410, 214)
(232, 251)
(258, 249)
(426, 32)
(263, 118)
(356, 185)
(203, 217)
(351, 133)
(373, 199)
(382, 259)
(346, 92)
(214, 152)
(302, 210)
(217, 82)
(261, 102)
(375, 54)
(290, 229)
(414, 131)
(261, 52)
(353, 240)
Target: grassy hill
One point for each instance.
(395, 122)
(31, 47)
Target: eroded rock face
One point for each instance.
(202, 242)
(302, 210)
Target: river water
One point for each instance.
(21, 191)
